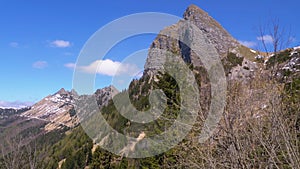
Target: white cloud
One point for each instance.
(14, 104)
(14, 44)
(249, 44)
(267, 38)
(108, 67)
(40, 64)
(70, 65)
(60, 43)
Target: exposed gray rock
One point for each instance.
(179, 38)
(221, 39)
(183, 41)
(105, 94)
(245, 71)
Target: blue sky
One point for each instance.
(40, 40)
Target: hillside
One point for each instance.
(258, 127)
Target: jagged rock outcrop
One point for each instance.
(244, 71)
(221, 39)
(182, 40)
(105, 94)
(178, 39)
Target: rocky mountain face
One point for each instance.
(198, 31)
(58, 109)
(183, 40)
(218, 36)
(214, 32)
(105, 94)
(251, 85)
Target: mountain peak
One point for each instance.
(62, 91)
(109, 90)
(216, 35)
(200, 17)
(214, 30)
(193, 10)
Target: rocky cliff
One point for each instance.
(183, 39)
(105, 94)
(213, 31)
(221, 39)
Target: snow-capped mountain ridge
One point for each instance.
(58, 109)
